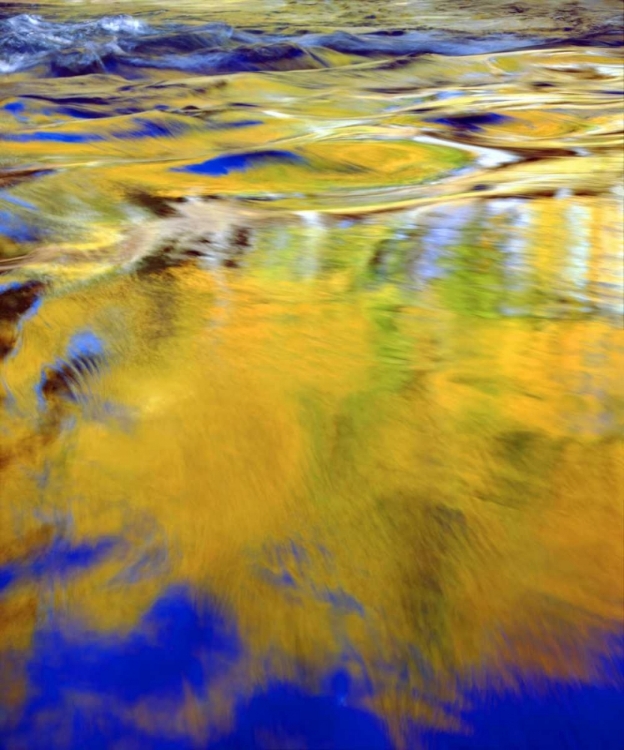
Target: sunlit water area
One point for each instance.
(311, 376)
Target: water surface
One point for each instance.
(310, 376)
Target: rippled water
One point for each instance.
(311, 396)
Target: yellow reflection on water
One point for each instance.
(443, 447)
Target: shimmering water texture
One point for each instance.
(311, 394)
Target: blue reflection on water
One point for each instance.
(223, 165)
(542, 715)
(83, 685)
(53, 137)
(58, 560)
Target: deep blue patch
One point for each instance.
(7, 577)
(16, 109)
(53, 137)
(60, 559)
(81, 113)
(472, 123)
(544, 716)
(223, 165)
(168, 651)
(287, 716)
(78, 678)
(81, 685)
(339, 685)
(63, 558)
(88, 113)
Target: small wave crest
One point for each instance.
(123, 44)
(28, 40)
